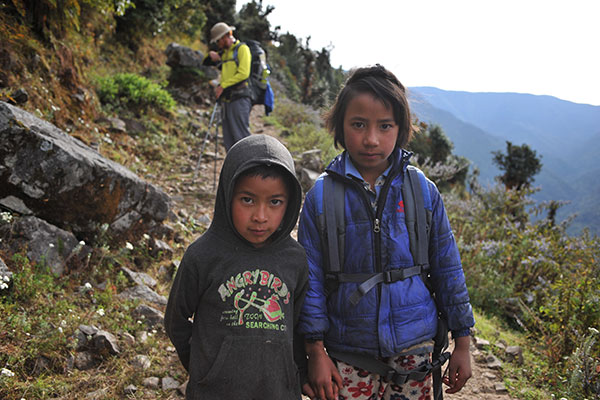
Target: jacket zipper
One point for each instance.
(376, 218)
(377, 231)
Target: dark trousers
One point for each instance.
(236, 120)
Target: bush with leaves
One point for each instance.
(529, 272)
(433, 154)
(55, 18)
(584, 381)
(148, 18)
(133, 91)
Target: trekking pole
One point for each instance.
(205, 141)
(216, 149)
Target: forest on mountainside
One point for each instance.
(528, 280)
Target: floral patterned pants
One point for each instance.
(359, 384)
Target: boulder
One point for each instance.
(150, 315)
(105, 342)
(5, 274)
(44, 243)
(179, 56)
(70, 185)
(169, 383)
(143, 292)
(139, 278)
(141, 362)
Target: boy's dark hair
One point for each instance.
(384, 86)
(270, 171)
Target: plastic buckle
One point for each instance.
(398, 378)
(389, 376)
(387, 277)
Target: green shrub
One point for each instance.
(584, 381)
(531, 273)
(133, 91)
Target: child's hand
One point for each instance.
(307, 390)
(459, 367)
(323, 376)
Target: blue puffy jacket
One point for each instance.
(390, 317)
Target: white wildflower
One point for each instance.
(100, 312)
(3, 286)
(146, 236)
(128, 246)
(7, 372)
(51, 244)
(6, 278)
(60, 329)
(63, 323)
(87, 285)
(6, 217)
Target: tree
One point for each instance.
(217, 11)
(144, 19)
(433, 153)
(520, 164)
(431, 144)
(252, 22)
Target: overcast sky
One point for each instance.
(545, 47)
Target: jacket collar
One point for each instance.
(400, 159)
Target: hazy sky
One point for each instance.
(526, 46)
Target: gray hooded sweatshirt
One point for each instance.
(244, 301)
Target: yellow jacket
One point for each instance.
(232, 73)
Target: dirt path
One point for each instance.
(484, 383)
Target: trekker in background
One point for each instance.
(379, 311)
(233, 92)
(236, 298)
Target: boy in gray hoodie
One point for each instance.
(238, 291)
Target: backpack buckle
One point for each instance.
(331, 283)
(387, 277)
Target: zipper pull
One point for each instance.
(376, 227)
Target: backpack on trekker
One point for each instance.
(262, 93)
(418, 220)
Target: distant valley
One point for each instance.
(565, 134)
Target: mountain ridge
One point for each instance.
(561, 132)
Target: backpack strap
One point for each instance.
(417, 221)
(234, 56)
(333, 210)
(388, 373)
(418, 224)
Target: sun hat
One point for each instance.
(219, 30)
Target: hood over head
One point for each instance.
(245, 154)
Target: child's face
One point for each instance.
(370, 134)
(258, 207)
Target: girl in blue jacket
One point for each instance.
(393, 321)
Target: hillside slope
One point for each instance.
(563, 133)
